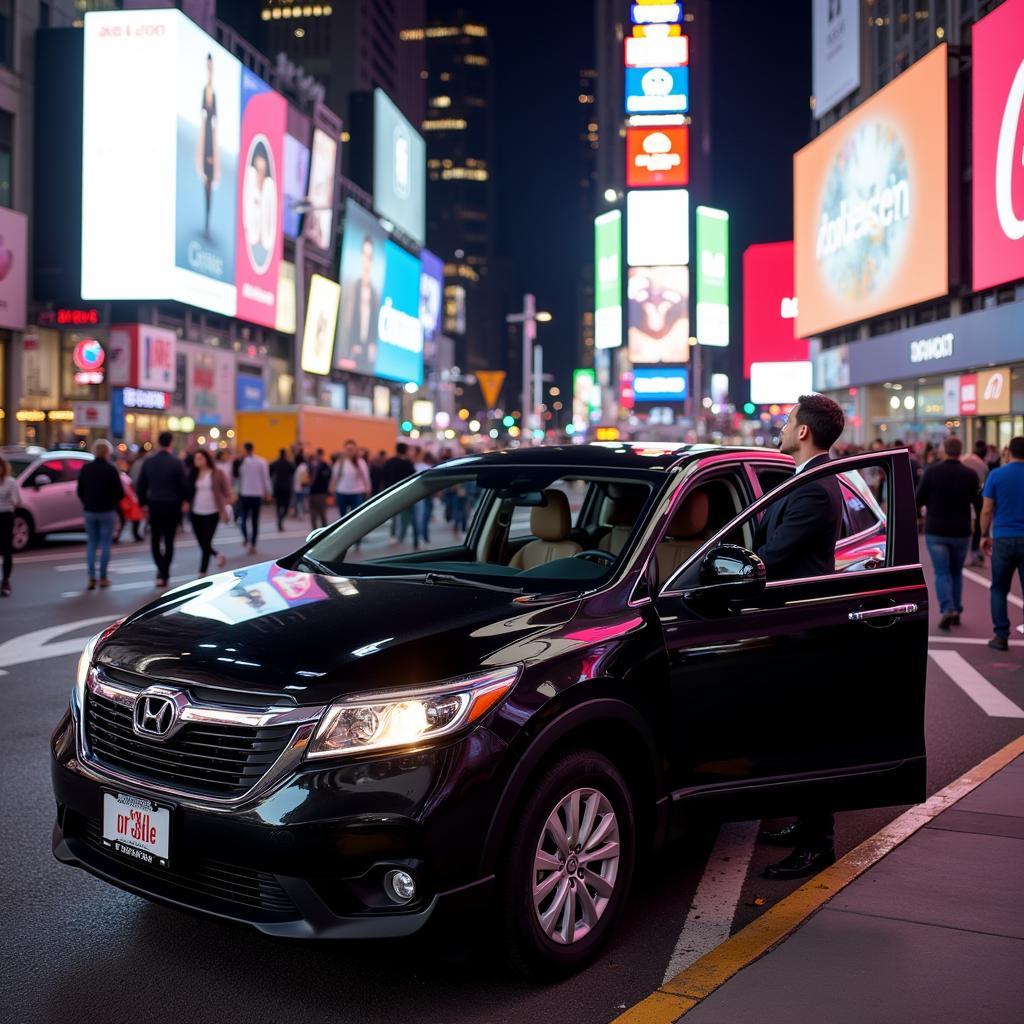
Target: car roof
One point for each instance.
(613, 455)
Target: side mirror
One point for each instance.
(730, 572)
(313, 534)
(42, 480)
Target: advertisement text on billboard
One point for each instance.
(769, 306)
(657, 90)
(657, 156)
(663, 385)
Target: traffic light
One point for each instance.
(508, 421)
(749, 408)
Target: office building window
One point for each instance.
(6, 157)
(7, 32)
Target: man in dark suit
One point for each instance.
(796, 539)
(163, 493)
(360, 309)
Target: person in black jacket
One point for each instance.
(100, 491)
(796, 539)
(282, 479)
(163, 493)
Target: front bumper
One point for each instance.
(308, 859)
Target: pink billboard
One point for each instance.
(998, 142)
(260, 200)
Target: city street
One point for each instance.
(70, 940)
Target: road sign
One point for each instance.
(490, 382)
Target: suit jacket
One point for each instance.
(162, 480)
(797, 537)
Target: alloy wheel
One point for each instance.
(575, 865)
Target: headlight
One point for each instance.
(378, 721)
(88, 652)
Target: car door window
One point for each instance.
(70, 470)
(48, 473)
(770, 477)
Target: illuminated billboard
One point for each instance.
(712, 277)
(658, 228)
(836, 52)
(323, 160)
(656, 14)
(769, 306)
(998, 142)
(657, 51)
(399, 169)
(780, 383)
(871, 204)
(296, 176)
(431, 292)
(361, 273)
(660, 385)
(399, 331)
(657, 90)
(321, 322)
(181, 185)
(608, 279)
(657, 156)
(659, 314)
(586, 397)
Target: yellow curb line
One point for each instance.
(691, 986)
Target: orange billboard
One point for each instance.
(871, 206)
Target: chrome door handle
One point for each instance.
(883, 613)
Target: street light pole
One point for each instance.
(529, 318)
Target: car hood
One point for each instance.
(311, 638)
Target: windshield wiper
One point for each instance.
(447, 579)
(317, 565)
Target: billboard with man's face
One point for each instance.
(362, 286)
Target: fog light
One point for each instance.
(400, 886)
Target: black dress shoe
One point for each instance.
(803, 861)
(788, 835)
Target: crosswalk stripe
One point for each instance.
(992, 701)
(976, 577)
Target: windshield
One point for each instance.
(521, 527)
(18, 463)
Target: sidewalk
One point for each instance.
(932, 930)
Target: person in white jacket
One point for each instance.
(10, 496)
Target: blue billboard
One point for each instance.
(660, 385)
(250, 392)
(399, 329)
(657, 90)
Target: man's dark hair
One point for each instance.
(981, 449)
(822, 417)
(401, 448)
(166, 439)
(350, 441)
(1017, 447)
(282, 454)
(953, 446)
(248, 447)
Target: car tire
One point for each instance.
(22, 532)
(555, 918)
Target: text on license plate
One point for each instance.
(136, 828)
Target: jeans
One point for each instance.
(204, 527)
(317, 510)
(1007, 556)
(7, 543)
(423, 511)
(345, 502)
(164, 517)
(948, 556)
(282, 501)
(300, 500)
(251, 505)
(99, 533)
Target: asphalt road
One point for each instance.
(73, 948)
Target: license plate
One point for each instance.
(137, 828)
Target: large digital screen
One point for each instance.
(836, 64)
(399, 169)
(296, 175)
(998, 144)
(657, 90)
(655, 14)
(362, 287)
(321, 323)
(661, 385)
(657, 51)
(658, 227)
(712, 276)
(780, 383)
(659, 314)
(181, 185)
(431, 292)
(871, 204)
(769, 306)
(657, 155)
(586, 397)
(322, 165)
(608, 279)
(400, 333)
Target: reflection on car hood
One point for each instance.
(314, 637)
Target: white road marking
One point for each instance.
(976, 577)
(35, 646)
(974, 640)
(975, 685)
(138, 585)
(709, 921)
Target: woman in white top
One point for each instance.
(350, 479)
(10, 496)
(210, 504)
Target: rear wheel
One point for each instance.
(23, 531)
(568, 871)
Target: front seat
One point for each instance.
(686, 533)
(551, 522)
(622, 516)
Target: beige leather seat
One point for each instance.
(622, 516)
(551, 522)
(686, 533)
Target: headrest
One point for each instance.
(551, 521)
(624, 511)
(691, 517)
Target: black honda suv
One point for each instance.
(366, 734)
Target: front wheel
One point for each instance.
(569, 868)
(22, 532)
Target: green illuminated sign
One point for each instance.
(608, 279)
(712, 276)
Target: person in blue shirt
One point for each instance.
(1002, 531)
